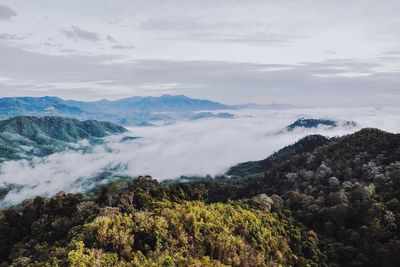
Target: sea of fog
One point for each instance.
(189, 148)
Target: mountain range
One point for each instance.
(24, 136)
(128, 111)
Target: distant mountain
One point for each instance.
(135, 111)
(33, 106)
(22, 136)
(205, 115)
(149, 104)
(314, 123)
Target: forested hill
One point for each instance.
(319, 202)
(23, 136)
(346, 189)
(143, 223)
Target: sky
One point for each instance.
(313, 53)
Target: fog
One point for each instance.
(190, 148)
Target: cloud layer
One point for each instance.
(313, 52)
(76, 33)
(332, 83)
(6, 12)
(205, 147)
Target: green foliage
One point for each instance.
(82, 257)
(320, 202)
(345, 189)
(144, 223)
(228, 234)
(25, 136)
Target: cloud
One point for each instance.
(116, 45)
(203, 30)
(6, 12)
(330, 52)
(246, 31)
(123, 47)
(76, 33)
(10, 36)
(111, 39)
(209, 146)
(340, 83)
(395, 52)
(343, 74)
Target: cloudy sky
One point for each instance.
(322, 53)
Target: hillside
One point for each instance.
(128, 111)
(314, 123)
(33, 106)
(345, 189)
(318, 202)
(144, 223)
(22, 137)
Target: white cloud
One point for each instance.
(86, 77)
(203, 147)
(343, 74)
(178, 40)
(6, 12)
(248, 31)
(76, 33)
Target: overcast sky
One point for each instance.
(318, 53)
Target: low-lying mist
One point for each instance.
(191, 148)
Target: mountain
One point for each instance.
(206, 115)
(143, 223)
(346, 190)
(34, 106)
(165, 103)
(318, 202)
(129, 111)
(314, 123)
(24, 136)
(258, 167)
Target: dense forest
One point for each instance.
(144, 223)
(319, 202)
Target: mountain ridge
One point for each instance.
(24, 136)
(345, 189)
(127, 111)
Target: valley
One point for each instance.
(327, 186)
(199, 133)
(319, 202)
